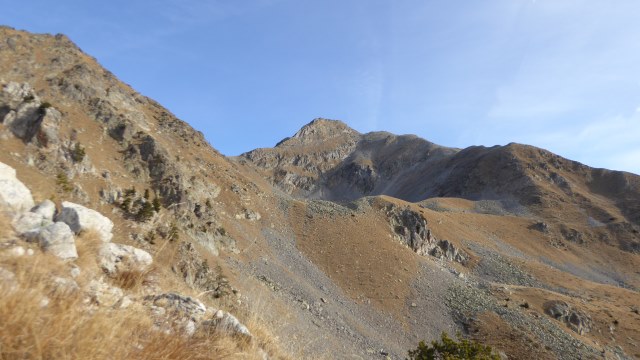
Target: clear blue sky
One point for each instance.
(562, 75)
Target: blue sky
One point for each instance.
(562, 75)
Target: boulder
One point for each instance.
(175, 311)
(116, 258)
(14, 195)
(25, 121)
(80, 218)
(28, 225)
(62, 287)
(8, 282)
(576, 320)
(46, 209)
(226, 323)
(16, 251)
(100, 293)
(58, 239)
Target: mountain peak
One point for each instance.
(321, 129)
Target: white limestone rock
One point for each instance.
(100, 293)
(16, 251)
(80, 218)
(58, 239)
(8, 282)
(28, 225)
(226, 323)
(14, 195)
(46, 209)
(176, 312)
(117, 258)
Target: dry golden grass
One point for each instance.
(39, 320)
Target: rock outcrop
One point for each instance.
(58, 239)
(116, 259)
(45, 209)
(29, 224)
(576, 320)
(224, 322)
(410, 228)
(188, 315)
(13, 193)
(80, 218)
(29, 119)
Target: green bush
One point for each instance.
(449, 349)
(43, 108)
(156, 204)
(63, 182)
(145, 212)
(173, 233)
(78, 153)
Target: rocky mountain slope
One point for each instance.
(603, 205)
(333, 244)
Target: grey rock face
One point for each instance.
(22, 112)
(14, 195)
(543, 227)
(576, 320)
(116, 258)
(80, 218)
(58, 239)
(411, 229)
(45, 209)
(446, 250)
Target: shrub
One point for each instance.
(173, 233)
(145, 213)
(78, 153)
(62, 180)
(130, 192)
(156, 204)
(449, 349)
(43, 108)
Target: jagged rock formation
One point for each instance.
(411, 229)
(325, 143)
(577, 320)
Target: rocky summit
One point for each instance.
(124, 234)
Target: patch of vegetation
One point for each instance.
(150, 237)
(78, 153)
(157, 205)
(173, 234)
(43, 107)
(63, 182)
(221, 231)
(139, 208)
(450, 349)
(145, 212)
